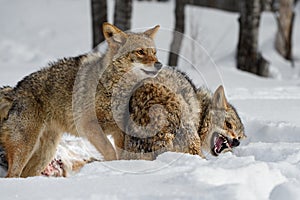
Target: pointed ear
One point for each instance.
(151, 32)
(219, 99)
(112, 34)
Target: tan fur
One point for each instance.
(6, 96)
(64, 98)
(162, 116)
(216, 112)
(167, 113)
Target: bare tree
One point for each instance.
(123, 12)
(228, 5)
(99, 15)
(178, 32)
(285, 19)
(248, 57)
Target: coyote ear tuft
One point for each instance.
(113, 34)
(151, 32)
(219, 99)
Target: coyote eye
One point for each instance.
(228, 125)
(141, 52)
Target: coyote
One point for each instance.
(168, 113)
(63, 97)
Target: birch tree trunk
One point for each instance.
(249, 58)
(283, 42)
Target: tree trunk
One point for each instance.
(249, 59)
(283, 42)
(122, 16)
(227, 5)
(178, 32)
(99, 15)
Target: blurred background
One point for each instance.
(257, 36)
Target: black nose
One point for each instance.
(158, 65)
(235, 143)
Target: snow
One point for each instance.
(265, 166)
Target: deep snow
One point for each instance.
(265, 166)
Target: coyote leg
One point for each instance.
(19, 142)
(96, 136)
(43, 154)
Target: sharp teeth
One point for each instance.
(216, 149)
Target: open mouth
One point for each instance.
(153, 73)
(220, 143)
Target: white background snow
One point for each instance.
(265, 166)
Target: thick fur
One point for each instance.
(218, 118)
(167, 113)
(6, 99)
(64, 98)
(162, 115)
(58, 166)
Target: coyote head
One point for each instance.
(136, 51)
(222, 128)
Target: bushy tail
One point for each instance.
(6, 100)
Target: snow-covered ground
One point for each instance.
(265, 166)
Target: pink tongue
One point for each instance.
(219, 143)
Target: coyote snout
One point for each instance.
(221, 143)
(145, 71)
